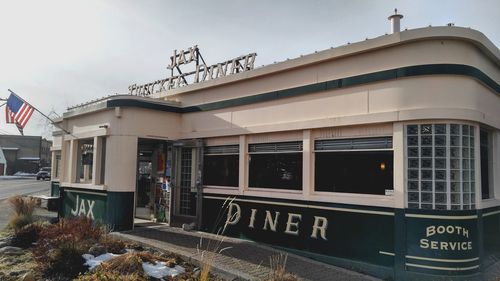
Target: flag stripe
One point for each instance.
(31, 110)
(22, 113)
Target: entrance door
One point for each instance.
(187, 182)
(152, 192)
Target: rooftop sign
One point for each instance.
(202, 72)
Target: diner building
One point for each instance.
(381, 155)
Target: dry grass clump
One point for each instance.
(278, 271)
(112, 245)
(60, 246)
(22, 211)
(127, 267)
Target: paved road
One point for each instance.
(10, 188)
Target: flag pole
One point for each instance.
(51, 121)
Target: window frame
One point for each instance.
(222, 153)
(350, 194)
(299, 150)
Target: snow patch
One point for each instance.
(158, 270)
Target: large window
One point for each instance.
(486, 164)
(440, 166)
(363, 165)
(276, 165)
(221, 165)
(85, 156)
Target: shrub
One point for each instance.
(66, 260)
(22, 211)
(26, 236)
(61, 246)
(112, 245)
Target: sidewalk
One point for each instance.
(244, 259)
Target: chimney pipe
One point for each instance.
(395, 19)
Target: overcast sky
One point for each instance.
(57, 54)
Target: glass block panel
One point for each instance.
(413, 174)
(465, 140)
(455, 198)
(440, 129)
(466, 187)
(455, 164)
(455, 175)
(471, 141)
(426, 129)
(455, 187)
(426, 185)
(454, 140)
(412, 141)
(413, 152)
(413, 197)
(440, 198)
(465, 153)
(426, 163)
(454, 152)
(465, 175)
(465, 130)
(440, 186)
(440, 163)
(412, 185)
(426, 140)
(440, 140)
(440, 152)
(413, 205)
(412, 129)
(426, 151)
(413, 162)
(465, 164)
(454, 129)
(466, 198)
(427, 174)
(426, 197)
(440, 174)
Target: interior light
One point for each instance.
(382, 166)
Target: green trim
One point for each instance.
(386, 75)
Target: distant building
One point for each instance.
(24, 153)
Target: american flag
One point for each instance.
(18, 111)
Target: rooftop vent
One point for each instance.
(395, 20)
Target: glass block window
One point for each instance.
(440, 166)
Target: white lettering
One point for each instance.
(252, 218)
(82, 208)
(75, 211)
(291, 223)
(320, 223)
(270, 221)
(233, 218)
(90, 213)
(424, 243)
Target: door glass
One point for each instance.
(187, 198)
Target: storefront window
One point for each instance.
(57, 165)
(363, 166)
(221, 165)
(440, 166)
(85, 156)
(276, 165)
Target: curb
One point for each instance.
(217, 269)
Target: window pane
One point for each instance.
(413, 162)
(367, 172)
(440, 129)
(412, 129)
(85, 160)
(281, 171)
(221, 170)
(440, 140)
(485, 163)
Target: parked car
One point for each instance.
(44, 173)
